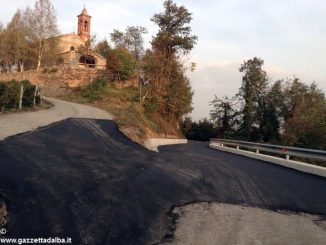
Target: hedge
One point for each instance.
(10, 94)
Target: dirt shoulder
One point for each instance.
(213, 223)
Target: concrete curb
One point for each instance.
(300, 166)
(153, 143)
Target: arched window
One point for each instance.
(88, 61)
(86, 26)
(72, 48)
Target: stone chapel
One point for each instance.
(69, 43)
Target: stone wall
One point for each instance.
(57, 82)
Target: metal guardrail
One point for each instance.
(285, 151)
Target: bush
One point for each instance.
(29, 92)
(203, 130)
(10, 94)
(151, 104)
(121, 64)
(92, 90)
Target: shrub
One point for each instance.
(29, 92)
(92, 90)
(151, 104)
(121, 64)
(10, 94)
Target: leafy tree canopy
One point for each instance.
(285, 112)
(175, 32)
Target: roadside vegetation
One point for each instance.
(19, 95)
(287, 112)
(133, 120)
(23, 44)
(161, 95)
(160, 70)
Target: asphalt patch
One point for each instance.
(84, 179)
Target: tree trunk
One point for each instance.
(21, 66)
(40, 54)
(21, 97)
(35, 94)
(38, 62)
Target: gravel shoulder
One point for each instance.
(12, 124)
(213, 223)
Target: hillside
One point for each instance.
(124, 104)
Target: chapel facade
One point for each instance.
(68, 45)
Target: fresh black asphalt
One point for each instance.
(83, 179)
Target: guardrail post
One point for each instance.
(238, 147)
(257, 151)
(287, 157)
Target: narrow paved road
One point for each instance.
(83, 179)
(12, 124)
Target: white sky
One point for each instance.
(290, 35)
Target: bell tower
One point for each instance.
(84, 25)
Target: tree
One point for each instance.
(135, 41)
(174, 31)
(290, 113)
(121, 64)
(305, 125)
(203, 130)
(103, 48)
(131, 39)
(16, 44)
(276, 97)
(223, 115)
(88, 46)
(161, 65)
(43, 23)
(113, 65)
(273, 113)
(118, 38)
(178, 97)
(3, 60)
(269, 126)
(293, 94)
(127, 63)
(252, 92)
(1, 28)
(15, 40)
